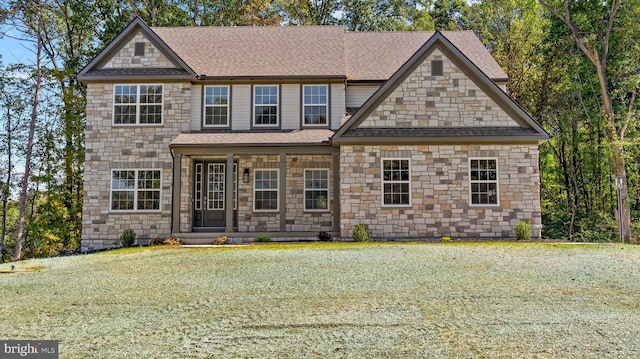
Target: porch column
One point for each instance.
(336, 192)
(283, 192)
(176, 181)
(228, 194)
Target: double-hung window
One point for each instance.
(216, 106)
(483, 178)
(135, 190)
(265, 105)
(396, 182)
(315, 105)
(316, 190)
(137, 104)
(265, 190)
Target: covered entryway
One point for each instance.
(209, 205)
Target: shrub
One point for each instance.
(221, 240)
(262, 239)
(360, 233)
(523, 230)
(172, 241)
(324, 237)
(128, 238)
(446, 239)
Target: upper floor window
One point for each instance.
(483, 178)
(135, 190)
(265, 105)
(315, 104)
(216, 106)
(137, 104)
(396, 182)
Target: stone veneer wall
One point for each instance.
(440, 204)
(110, 147)
(125, 58)
(299, 220)
(450, 100)
(248, 220)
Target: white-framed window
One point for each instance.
(483, 181)
(137, 104)
(265, 105)
(315, 105)
(316, 190)
(396, 182)
(216, 106)
(136, 190)
(265, 190)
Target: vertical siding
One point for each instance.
(290, 116)
(357, 95)
(196, 108)
(338, 107)
(241, 107)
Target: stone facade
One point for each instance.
(450, 100)
(109, 147)
(126, 59)
(440, 203)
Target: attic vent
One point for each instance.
(139, 49)
(436, 68)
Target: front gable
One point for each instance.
(137, 53)
(457, 104)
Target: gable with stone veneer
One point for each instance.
(450, 100)
(125, 58)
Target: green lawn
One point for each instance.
(340, 300)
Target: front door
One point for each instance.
(209, 194)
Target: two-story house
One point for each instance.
(288, 131)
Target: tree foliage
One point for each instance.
(561, 75)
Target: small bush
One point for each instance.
(221, 240)
(446, 239)
(172, 241)
(128, 238)
(324, 237)
(360, 233)
(262, 239)
(523, 230)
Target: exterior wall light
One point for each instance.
(245, 176)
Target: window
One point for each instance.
(137, 104)
(216, 106)
(316, 190)
(265, 190)
(396, 182)
(315, 104)
(484, 181)
(265, 101)
(436, 68)
(138, 49)
(135, 190)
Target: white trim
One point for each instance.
(497, 182)
(277, 106)
(205, 106)
(135, 191)
(277, 189)
(382, 182)
(304, 185)
(198, 189)
(326, 106)
(137, 104)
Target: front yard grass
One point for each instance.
(333, 300)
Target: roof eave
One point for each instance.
(130, 78)
(435, 140)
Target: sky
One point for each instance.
(14, 51)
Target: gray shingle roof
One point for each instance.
(307, 51)
(298, 137)
(258, 51)
(441, 132)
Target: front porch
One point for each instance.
(244, 191)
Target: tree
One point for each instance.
(593, 38)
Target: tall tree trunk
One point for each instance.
(6, 189)
(32, 128)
